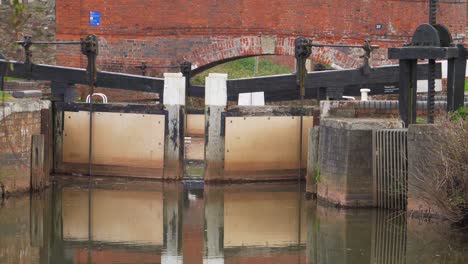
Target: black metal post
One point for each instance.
(89, 47)
(450, 85)
(459, 78)
(186, 69)
(408, 87)
(302, 51)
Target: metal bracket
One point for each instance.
(90, 48)
(303, 49)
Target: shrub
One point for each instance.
(443, 182)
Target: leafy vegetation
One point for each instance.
(443, 180)
(466, 85)
(460, 114)
(243, 68)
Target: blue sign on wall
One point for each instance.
(94, 18)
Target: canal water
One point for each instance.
(121, 221)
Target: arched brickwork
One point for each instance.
(165, 33)
(232, 48)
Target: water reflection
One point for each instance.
(145, 222)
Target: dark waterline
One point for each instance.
(148, 222)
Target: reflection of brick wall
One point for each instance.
(15, 149)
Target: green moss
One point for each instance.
(243, 68)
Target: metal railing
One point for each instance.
(390, 168)
(103, 96)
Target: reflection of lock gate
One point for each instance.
(103, 96)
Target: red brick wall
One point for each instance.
(15, 149)
(204, 31)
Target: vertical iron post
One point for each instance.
(302, 50)
(89, 47)
(186, 70)
(408, 87)
(459, 78)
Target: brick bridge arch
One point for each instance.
(208, 56)
(206, 32)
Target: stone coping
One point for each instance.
(21, 106)
(361, 123)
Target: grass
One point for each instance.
(5, 96)
(243, 68)
(466, 85)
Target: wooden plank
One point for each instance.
(48, 132)
(271, 110)
(58, 140)
(408, 88)
(113, 108)
(422, 53)
(78, 76)
(38, 179)
(459, 82)
(347, 82)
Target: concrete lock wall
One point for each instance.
(345, 160)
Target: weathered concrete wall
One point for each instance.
(345, 160)
(19, 120)
(37, 20)
(372, 109)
